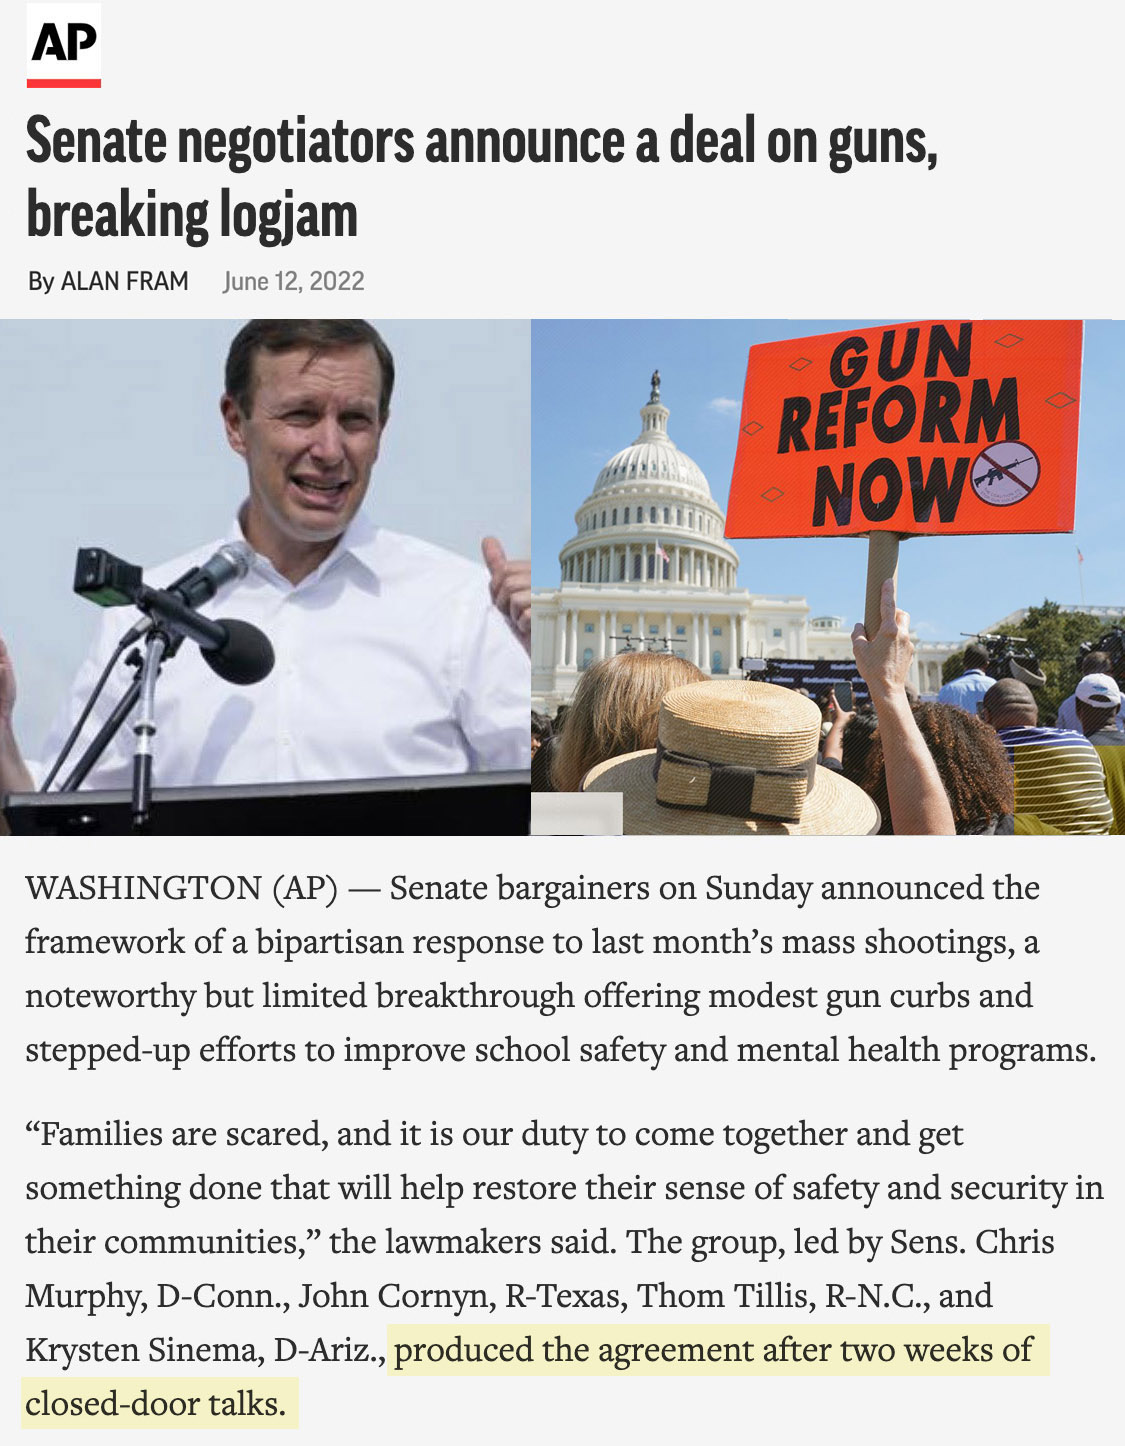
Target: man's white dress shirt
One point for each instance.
(391, 660)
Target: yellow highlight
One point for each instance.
(690, 1350)
(159, 1403)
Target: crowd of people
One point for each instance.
(690, 755)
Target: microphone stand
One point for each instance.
(112, 726)
(144, 729)
(237, 651)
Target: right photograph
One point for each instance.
(830, 577)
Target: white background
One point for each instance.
(1048, 1121)
(1018, 218)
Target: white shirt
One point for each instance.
(966, 691)
(391, 660)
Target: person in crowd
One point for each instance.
(856, 743)
(1098, 703)
(974, 770)
(966, 691)
(1067, 716)
(741, 758)
(542, 748)
(614, 711)
(832, 745)
(540, 731)
(1059, 777)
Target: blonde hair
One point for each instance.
(615, 710)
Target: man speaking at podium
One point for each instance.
(393, 657)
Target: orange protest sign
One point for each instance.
(922, 428)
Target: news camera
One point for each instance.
(1111, 643)
(1011, 657)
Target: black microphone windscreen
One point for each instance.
(245, 657)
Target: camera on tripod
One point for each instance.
(1113, 645)
(1010, 657)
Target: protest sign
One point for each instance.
(941, 427)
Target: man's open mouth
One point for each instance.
(322, 491)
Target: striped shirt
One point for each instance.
(1059, 778)
(1110, 745)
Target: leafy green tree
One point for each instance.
(1055, 637)
(953, 666)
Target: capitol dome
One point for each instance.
(650, 517)
(649, 569)
(653, 456)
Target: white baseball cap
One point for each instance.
(1099, 690)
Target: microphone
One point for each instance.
(200, 584)
(237, 651)
(246, 656)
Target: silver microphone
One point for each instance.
(200, 584)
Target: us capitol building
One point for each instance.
(648, 567)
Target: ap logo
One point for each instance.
(64, 47)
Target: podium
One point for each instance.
(448, 805)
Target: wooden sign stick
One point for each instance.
(882, 562)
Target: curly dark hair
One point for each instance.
(971, 760)
(856, 744)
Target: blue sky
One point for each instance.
(590, 379)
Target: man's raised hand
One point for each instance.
(510, 584)
(7, 686)
(14, 777)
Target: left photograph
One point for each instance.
(265, 578)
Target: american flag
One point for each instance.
(1081, 559)
(662, 553)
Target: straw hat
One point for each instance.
(734, 758)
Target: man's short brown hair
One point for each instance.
(292, 334)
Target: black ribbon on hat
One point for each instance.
(730, 786)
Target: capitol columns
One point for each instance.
(601, 633)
